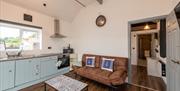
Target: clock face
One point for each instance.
(101, 21)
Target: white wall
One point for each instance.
(83, 34)
(174, 3)
(15, 13)
(112, 39)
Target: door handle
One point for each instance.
(176, 62)
(10, 70)
(37, 69)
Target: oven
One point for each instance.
(63, 61)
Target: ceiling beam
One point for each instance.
(80, 3)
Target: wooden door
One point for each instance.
(144, 44)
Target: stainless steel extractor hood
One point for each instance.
(57, 30)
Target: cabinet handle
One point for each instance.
(176, 62)
(37, 67)
(37, 73)
(10, 70)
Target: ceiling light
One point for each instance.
(146, 27)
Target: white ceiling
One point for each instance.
(65, 9)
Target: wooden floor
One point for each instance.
(140, 77)
(142, 62)
(94, 86)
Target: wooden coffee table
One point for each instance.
(64, 83)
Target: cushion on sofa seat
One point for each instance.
(87, 71)
(103, 77)
(95, 74)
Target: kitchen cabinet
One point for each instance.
(18, 74)
(27, 70)
(7, 71)
(48, 66)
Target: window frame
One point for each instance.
(26, 28)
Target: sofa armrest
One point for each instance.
(117, 74)
(117, 77)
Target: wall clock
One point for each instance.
(100, 20)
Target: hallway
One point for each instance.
(142, 62)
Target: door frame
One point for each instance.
(129, 40)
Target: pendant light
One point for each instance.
(147, 27)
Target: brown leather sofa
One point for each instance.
(117, 77)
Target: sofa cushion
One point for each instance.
(119, 62)
(107, 64)
(87, 71)
(95, 74)
(97, 58)
(90, 61)
(103, 77)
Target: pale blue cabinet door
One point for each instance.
(27, 70)
(48, 66)
(7, 70)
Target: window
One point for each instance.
(13, 37)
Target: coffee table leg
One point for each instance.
(75, 76)
(85, 89)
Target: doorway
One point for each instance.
(144, 48)
(144, 38)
